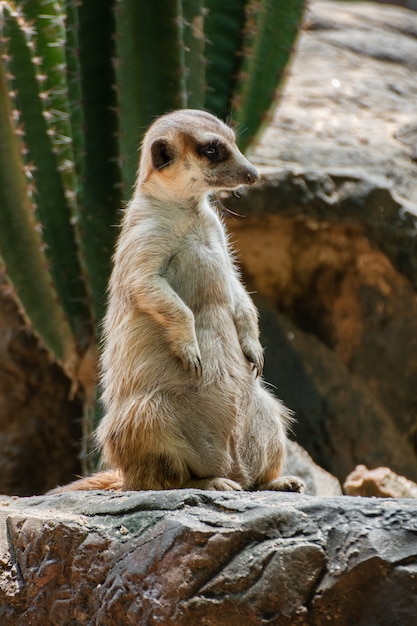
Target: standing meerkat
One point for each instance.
(184, 402)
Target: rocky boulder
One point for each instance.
(328, 240)
(349, 102)
(40, 416)
(205, 558)
(380, 482)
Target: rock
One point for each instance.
(318, 482)
(329, 240)
(339, 421)
(207, 558)
(350, 96)
(380, 482)
(344, 134)
(354, 317)
(39, 424)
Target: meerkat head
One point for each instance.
(187, 153)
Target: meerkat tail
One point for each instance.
(107, 480)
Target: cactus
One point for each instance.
(269, 37)
(224, 27)
(194, 40)
(90, 50)
(21, 225)
(79, 84)
(150, 71)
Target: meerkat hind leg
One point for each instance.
(213, 484)
(283, 483)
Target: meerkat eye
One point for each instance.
(210, 151)
(214, 152)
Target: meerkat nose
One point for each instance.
(252, 175)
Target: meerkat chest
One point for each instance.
(199, 269)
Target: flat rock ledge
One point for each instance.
(207, 558)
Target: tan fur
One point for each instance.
(110, 479)
(185, 405)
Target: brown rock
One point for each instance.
(39, 424)
(208, 559)
(380, 482)
(329, 238)
(338, 419)
(332, 281)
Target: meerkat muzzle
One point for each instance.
(252, 175)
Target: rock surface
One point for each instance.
(317, 481)
(207, 559)
(39, 423)
(349, 103)
(380, 482)
(329, 238)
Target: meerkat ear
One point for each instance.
(162, 153)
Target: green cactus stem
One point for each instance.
(74, 91)
(22, 246)
(94, 117)
(224, 35)
(48, 189)
(270, 33)
(193, 14)
(150, 72)
(47, 20)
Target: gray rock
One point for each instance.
(318, 482)
(351, 96)
(206, 558)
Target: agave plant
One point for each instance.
(79, 83)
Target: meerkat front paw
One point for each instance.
(254, 353)
(190, 357)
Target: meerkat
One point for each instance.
(185, 404)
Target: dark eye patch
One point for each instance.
(215, 152)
